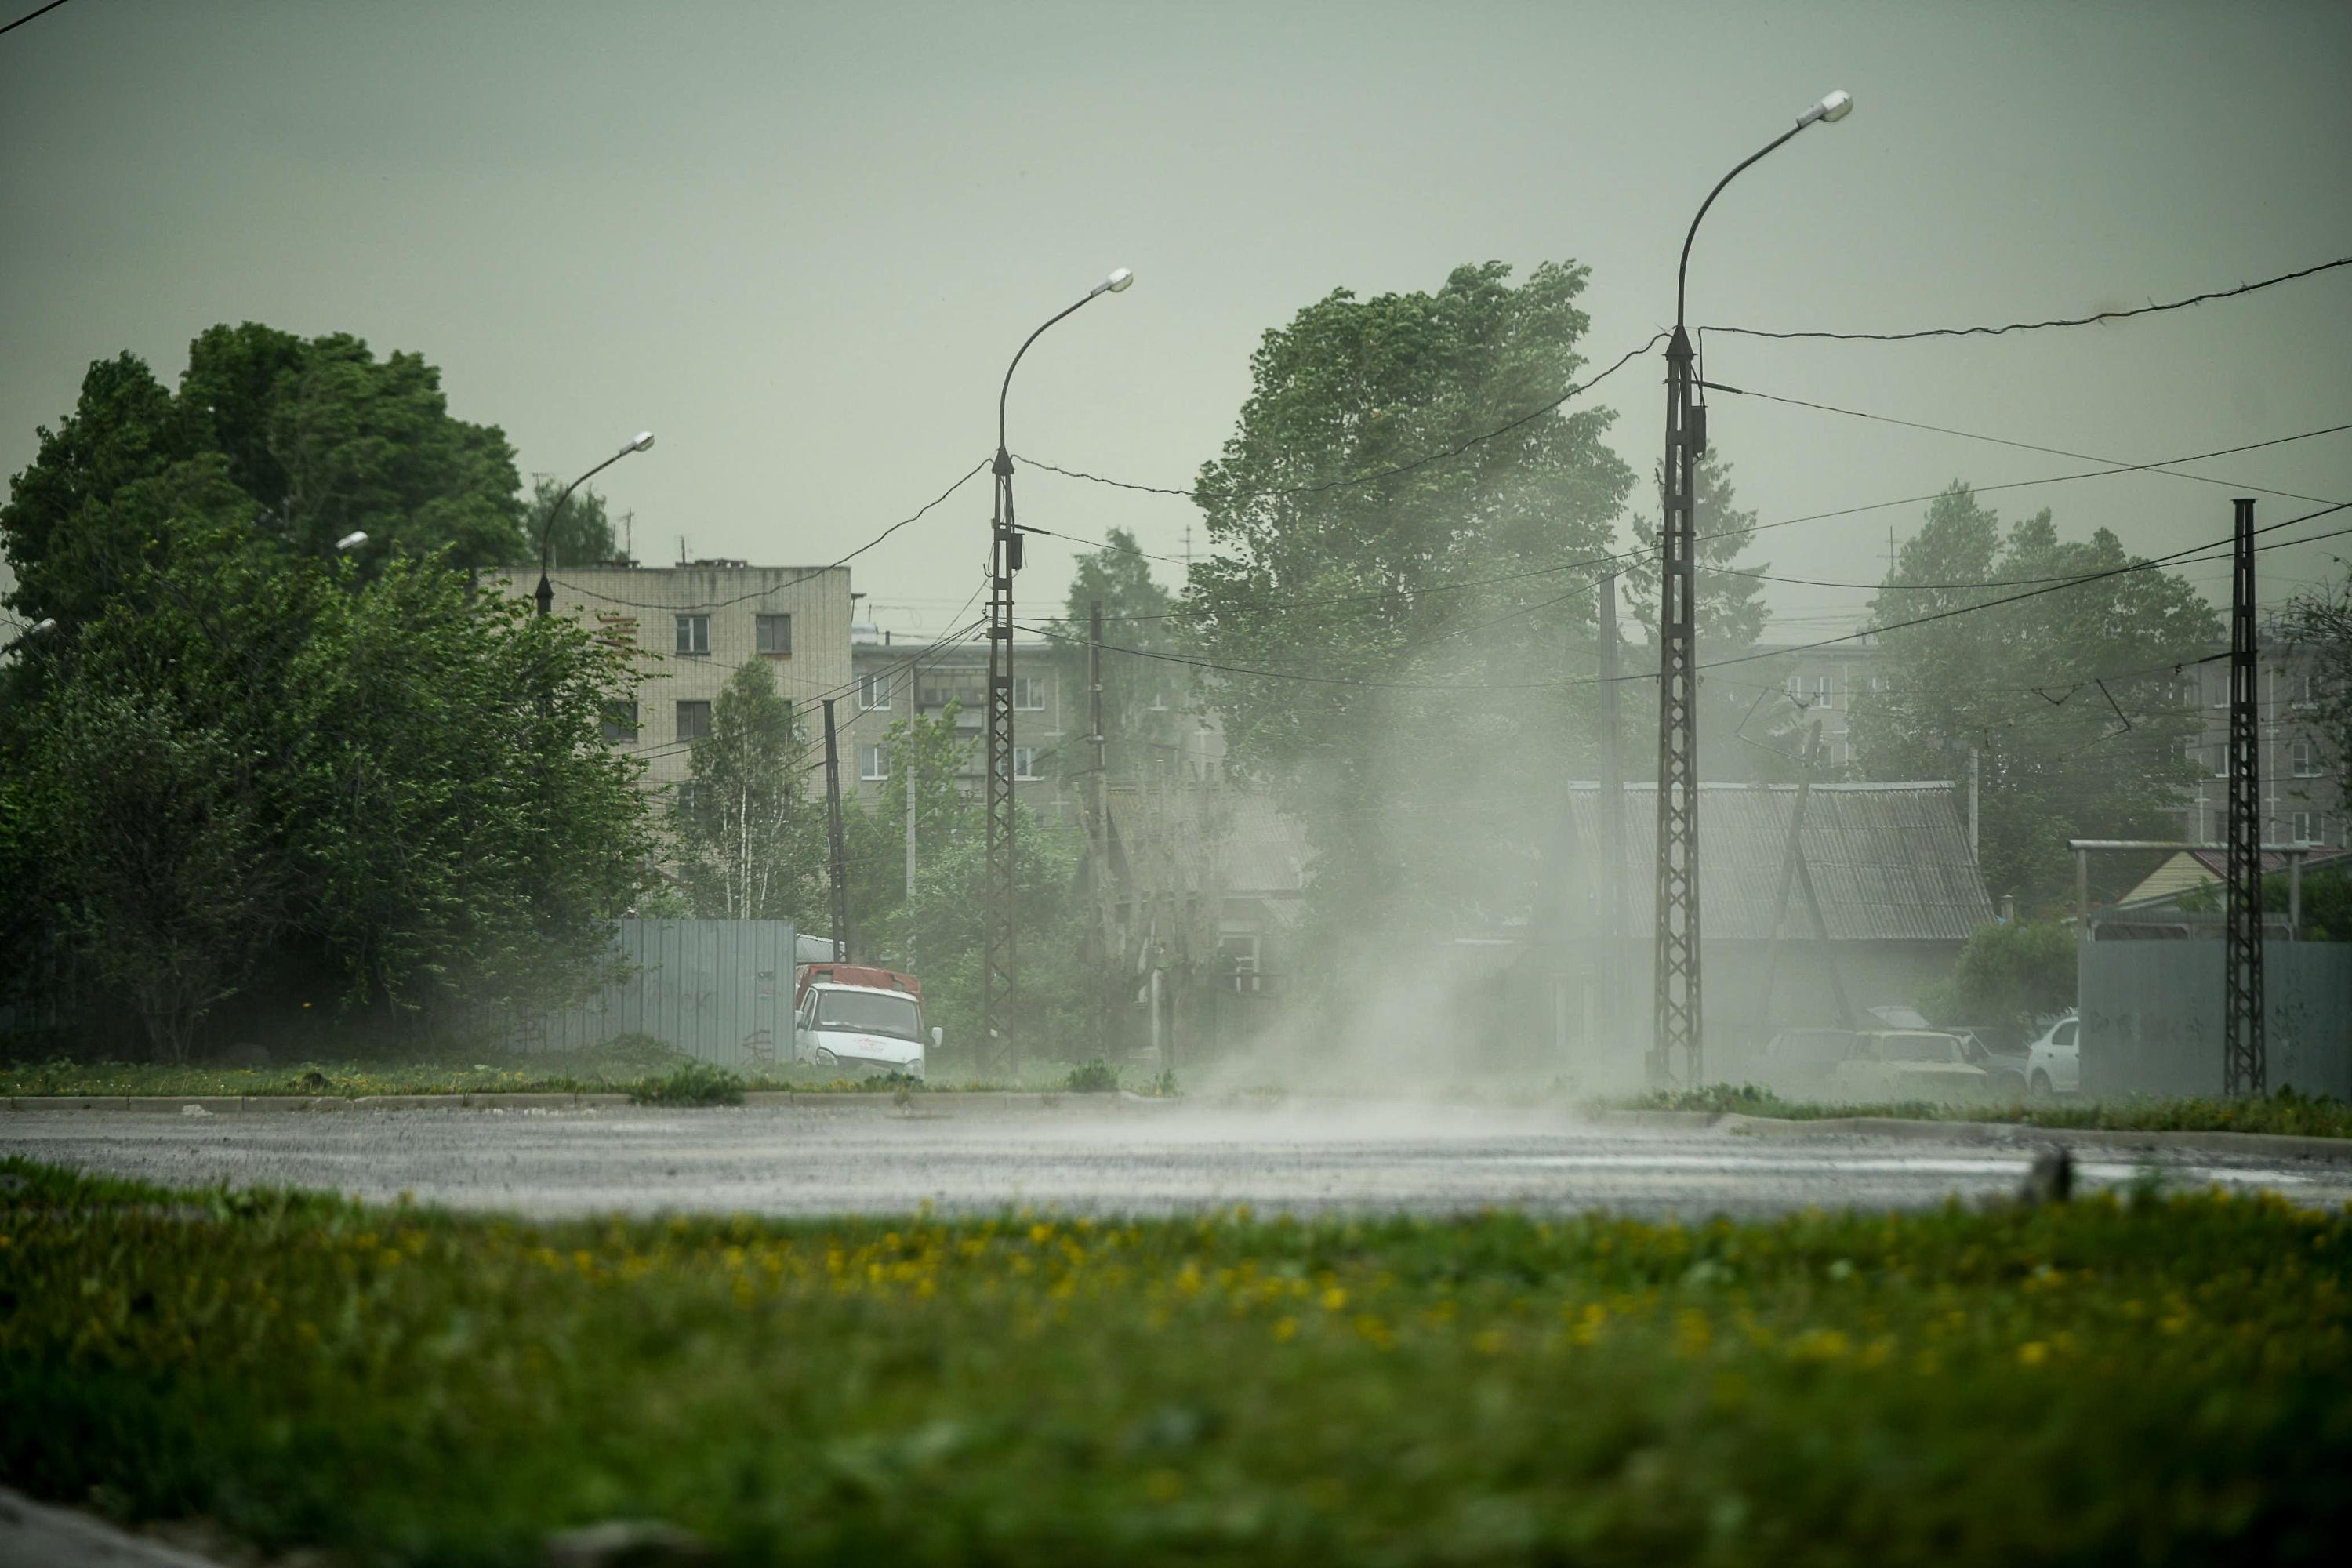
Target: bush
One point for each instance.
(1095, 1077)
(2013, 975)
(693, 1083)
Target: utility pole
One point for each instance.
(2244, 1067)
(839, 852)
(1675, 1025)
(997, 945)
(1612, 812)
(1097, 834)
(1976, 760)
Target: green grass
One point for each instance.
(2283, 1112)
(2167, 1378)
(621, 1068)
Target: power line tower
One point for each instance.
(1675, 964)
(1098, 837)
(999, 1035)
(837, 846)
(2244, 1069)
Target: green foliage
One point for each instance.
(2286, 1112)
(250, 772)
(690, 1083)
(2017, 973)
(2018, 683)
(2318, 629)
(301, 441)
(2159, 1382)
(1143, 698)
(584, 535)
(1094, 1076)
(752, 841)
(1364, 580)
(2327, 900)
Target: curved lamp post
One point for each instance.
(1674, 957)
(997, 944)
(546, 593)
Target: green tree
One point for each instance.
(248, 769)
(1746, 728)
(2070, 695)
(1143, 697)
(1323, 572)
(584, 532)
(751, 837)
(2318, 627)
(2015, 974)
(303, 441)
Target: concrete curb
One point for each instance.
(238, 1104)
(2273, 1145)
(34, 1532)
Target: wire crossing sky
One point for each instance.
(801, 242)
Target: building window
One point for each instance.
(693, 720)
(1029, 693)
(773, 634)
(1160, 702)
(873, 763)
(873, 692)
(688, 801)
(1025, 763)
(694, 633)
(2299, 690)
(620, 718)
(1237, 964)
(2221, 760)
(2310, 828)
(2305, 759)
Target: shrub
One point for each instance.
(1095, 1077)
(693, 1083)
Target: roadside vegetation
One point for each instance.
(2153, 1378)
(635, 1065)
(2310, 1116)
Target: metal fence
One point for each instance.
(2152, 1017)
(718, 990)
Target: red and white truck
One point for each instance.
(857, 1019)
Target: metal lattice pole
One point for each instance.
(1000, 1039)
(838, 864)
(1674, 962)
(2244, 1069)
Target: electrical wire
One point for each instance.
(1373, 476)
(2091, 320)
(28, 15)
(780, 587)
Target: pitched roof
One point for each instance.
(1889, 861)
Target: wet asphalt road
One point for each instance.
(1093, 1159)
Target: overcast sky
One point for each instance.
(800, 242)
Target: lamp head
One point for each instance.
(1832, 108)
(1118, 283)
(350, 541)
(644, 440)
(46, 624)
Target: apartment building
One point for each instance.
(693, 626)
(1823, 682)
(896, 680)
(2303, 795)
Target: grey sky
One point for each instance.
(800, 242)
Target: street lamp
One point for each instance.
(997, 945)
(1675, 1025)
(546, 593)
(351, 541)
(46, 624)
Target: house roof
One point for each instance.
(2186, 869)
(1889, 861)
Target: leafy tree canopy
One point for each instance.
(2070, 695)
(1421, 788)
(584, 531)
(299, 441)
(1143, 697)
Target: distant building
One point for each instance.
(896, 680)
(1823, 683)
(695, 626)
(2303, 797)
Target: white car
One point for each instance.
(2053, 1062)
(857, 1030)
(1906, 1063)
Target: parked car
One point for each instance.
(1798, 1061)
(2007, 1067)
(2053, 1062)
(1908, 1064)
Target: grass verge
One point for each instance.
(2162, 1380)
(2283, 1112)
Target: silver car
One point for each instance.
(1908, 1064)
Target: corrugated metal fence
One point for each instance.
(718, 990)
(2152, 1017)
